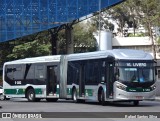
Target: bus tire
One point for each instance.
(136, 103)
(7, 98)
(31, 95)
(74, 96)
(2, 97)
(101, 98)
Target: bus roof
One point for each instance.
(119, 54)
(52, 58)
(130, 54)
(89, 55)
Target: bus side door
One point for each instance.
(51, 80)
(109, 79)
(81, 80)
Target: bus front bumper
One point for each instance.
(124, 95)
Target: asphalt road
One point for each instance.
(66, 110)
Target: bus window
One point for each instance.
(96, 72)
(73, 73)
(128, 74)
(89, 71)
(39, 72)
(136, 74)
(9, 72)
(18, 72)
(30, 74)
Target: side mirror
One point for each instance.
(117, 77)
(118, 72)
(103, 79)
(155, 65)
(156, 71)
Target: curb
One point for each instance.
(157, 98)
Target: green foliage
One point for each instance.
(5, 49)
(30, 49)
(137, 35)
(39, 44)
(100, 22)
(124, 16)
(31, 46)
(83, 37)
(61, 42)
(158, 40)
(148, 12)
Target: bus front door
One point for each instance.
(51, 80)
(110, 80)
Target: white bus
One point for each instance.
(111, 75)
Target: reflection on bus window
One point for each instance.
(136, 74)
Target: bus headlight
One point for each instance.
(153, 87)
(121, 86)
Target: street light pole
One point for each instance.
(99, 23)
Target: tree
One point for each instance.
(99, 21)
(39, 44)
(37, 47)
(124, 15)
(137, 12)
(83, 37)
(148, 14)
(6, 49)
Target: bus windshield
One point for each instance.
(140, 75)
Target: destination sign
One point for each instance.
(135, 64)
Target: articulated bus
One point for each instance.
(104, 76)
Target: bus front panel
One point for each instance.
(136, 81)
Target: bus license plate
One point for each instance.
(139, 97)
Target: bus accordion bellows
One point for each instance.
(111, 75)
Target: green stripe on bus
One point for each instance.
(38, 91)
(128, 89)
(14, 91)
(69, 91)
(20, 91)
(89, 92)
(57, 91)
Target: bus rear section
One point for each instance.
(35, 78)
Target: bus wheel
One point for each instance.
(31, 95)
(52, 99)
(2, 97)
(7, 99)
(74, 96)
(136, 103)
(101, 98)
